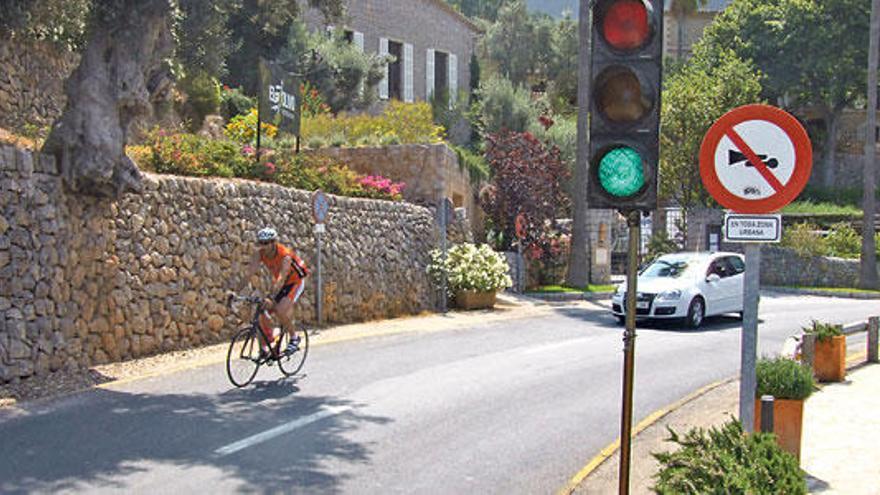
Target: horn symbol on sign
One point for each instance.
(735, 157)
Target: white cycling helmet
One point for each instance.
(267, 234)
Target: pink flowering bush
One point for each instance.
(376, 186)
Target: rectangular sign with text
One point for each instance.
(752, 228)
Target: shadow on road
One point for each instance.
(104, 437)
(602, 318)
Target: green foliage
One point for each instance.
(557, 289)
(805, 239)
(470, 267)
(726, 460)
(824, 331)
(485, 9)
(562, 71)
(503, 107)
(476, 165)
(203, 97)
(783, 379)
(403, 123)
(61, 22)
(189, 154)
(843, 241)
(202, 37)
(233, 102)
(693, 99)
(820, 208)
(510, 43)
(844, 196)
(560, 132)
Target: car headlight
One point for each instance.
(670, 295)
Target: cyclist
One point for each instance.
(288, 272)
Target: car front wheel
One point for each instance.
(696, 312)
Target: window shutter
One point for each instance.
(407, 73)
(359, 40)
(383, 85)
(453, 79)
(429, 75)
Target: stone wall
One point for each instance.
(32, 79)
(783, 267)
(428, 170)
(86, 281)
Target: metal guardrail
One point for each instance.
(872, 327)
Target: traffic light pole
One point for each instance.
(629, 347)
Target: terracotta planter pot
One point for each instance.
(471, 299)
(788, 415)
(830, 363)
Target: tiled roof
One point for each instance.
(461, 17)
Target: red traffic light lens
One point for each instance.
(619, 96)
(625, 24)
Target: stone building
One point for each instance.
(679, 42)
(432, 44)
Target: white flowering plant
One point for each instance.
(470, 267)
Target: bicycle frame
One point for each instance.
(274, 351)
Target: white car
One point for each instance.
(689, 286)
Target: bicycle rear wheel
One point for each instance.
(290, 364)
(243, 358)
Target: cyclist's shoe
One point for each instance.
(293, 346)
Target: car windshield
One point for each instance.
(665, 269)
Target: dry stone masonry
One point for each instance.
(85, 280)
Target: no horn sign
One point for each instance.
(756, 159)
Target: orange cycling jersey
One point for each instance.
(297, 267)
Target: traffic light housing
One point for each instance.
(626, 61)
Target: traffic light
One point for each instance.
(626, 58)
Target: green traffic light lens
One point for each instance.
(621, 173)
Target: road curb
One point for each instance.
(569, 296)
(823, 293)
(650, 420)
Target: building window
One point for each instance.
(441, 73)
(395, 70)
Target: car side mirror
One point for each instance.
(712, 278)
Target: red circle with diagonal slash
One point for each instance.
(784, 193)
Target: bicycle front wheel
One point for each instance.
(243, 358)
(290, 364)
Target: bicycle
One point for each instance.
(250, 348)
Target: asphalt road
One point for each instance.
(513, 407)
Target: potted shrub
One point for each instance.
(829, 363)
(726, 460)
(790, 383)
(473, 274)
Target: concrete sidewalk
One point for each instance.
(840, 446)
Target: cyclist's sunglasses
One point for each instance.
(265, 243)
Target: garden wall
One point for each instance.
(781, 266)
(32, 83)
(427, 170)
(86, 280)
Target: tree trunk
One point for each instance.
(120, 76)
(829, 148)
(579, 258)
(868, 267)
(679, 17)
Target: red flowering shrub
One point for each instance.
(528, 177)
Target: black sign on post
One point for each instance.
(280, 103)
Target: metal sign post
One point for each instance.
(320, 208)
(629, 348)
(520, 224)
(749, 337)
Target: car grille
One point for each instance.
(643, 297)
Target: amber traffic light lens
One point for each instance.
(625, 24)
(619, 96)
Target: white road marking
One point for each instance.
(325, 412)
